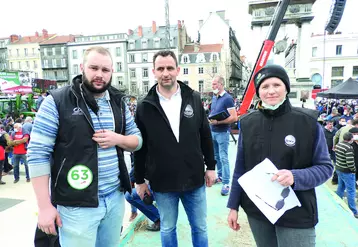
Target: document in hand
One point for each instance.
(220, 116)
(271, 198)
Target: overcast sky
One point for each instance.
(24, 17)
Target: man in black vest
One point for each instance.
(84, 129)
(293, 140)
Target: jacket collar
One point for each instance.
(284, 108)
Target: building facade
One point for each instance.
(116, 45)
(24, 53)
(3, 53)
(295, 29)
(143, 43)
(216, 29)
(54, 59)
(334, 59)
(199, 64)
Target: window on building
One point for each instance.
(337, 71)
(74, 54)
(215, 57)
(45, 75)
(75, 69)
(17, 52)
(131, 45)
(201, 70)
(120, 80)
(201, 86)
(145, 87)
(134, 87)
(355, 71)
(186, 71)
(55, 74)
(45, 51)
(36, 75)
(19, 65)
(186, 82)
(336, 82)
(63, 62)
(62, 50)
(215, 70)
(64, 74)
(144, 44)
(156, 43)
(45, 63)
(171, 42)
(54, 63)
(119, 66)
(33, 51)
(144, 57)
(53, 51)
(27, 65)
(131, 58)
(11, 66)
(35, 65)
(132, 73)
(338, 49)
(145, 72)
(185, 59)
(25, 50)
(314, 51)
(118, 51)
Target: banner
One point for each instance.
(42, 85)
(14, 82)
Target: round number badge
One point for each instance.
(79, 177)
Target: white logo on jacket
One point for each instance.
(77, 111)
(188, 112)
(290, 141)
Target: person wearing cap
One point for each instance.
(354, 131)
(293, 140)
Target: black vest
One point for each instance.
(286, 136)
(74, 146)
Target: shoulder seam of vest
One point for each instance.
(307, 112)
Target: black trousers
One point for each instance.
(44, 240)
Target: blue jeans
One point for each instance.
(347, 181)
(93, 227)
(221, 146)
(268, 235)
(194, 203)
(148, 210)
(16, 164)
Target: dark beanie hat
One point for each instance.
(269, 71)
(353, 130)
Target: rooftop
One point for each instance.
(203, 48)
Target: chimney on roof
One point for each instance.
(201, 22)
(179, 24)
(196, 47)
(154, 27)
(36, 34)
(221, 13)
(45, 33)
(140, 31)
(130, 32)
(14, 38)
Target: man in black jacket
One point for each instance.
(177, 138)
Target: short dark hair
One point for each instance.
(355, 122)
(347, 136)
(330, 121)
(165, 53)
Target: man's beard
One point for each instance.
(91, 88)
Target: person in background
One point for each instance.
(346, 171)
(293, 140)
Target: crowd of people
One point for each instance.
(14, 138)
(90, 150)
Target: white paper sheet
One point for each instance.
(257, 184)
